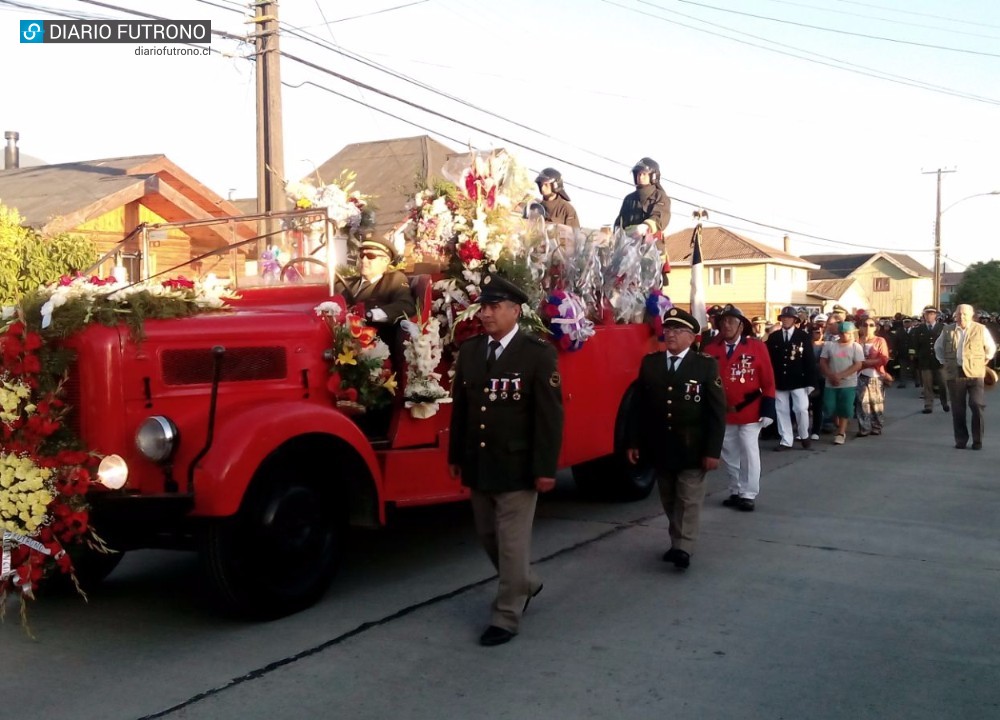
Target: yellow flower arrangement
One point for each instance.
(24, 494)
(12, 394)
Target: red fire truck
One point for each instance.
(235, 447)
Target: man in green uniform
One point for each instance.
(506, 431)
(677, 426)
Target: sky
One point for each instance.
(775, 115)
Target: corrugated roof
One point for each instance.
(829, 289)
(719, 245)
(45, 192)
(389, 170)
(841, 266)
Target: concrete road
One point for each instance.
(866, 585)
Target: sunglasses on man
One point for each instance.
(368, 255)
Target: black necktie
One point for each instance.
(729, 349)
(492, 358)
(673, 362)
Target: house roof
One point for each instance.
(841, 266)
(388, 170)
(833, 289)
(719, 245)
(61, 197)
(952, 278)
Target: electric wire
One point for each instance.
(920, 14)
(831, 30)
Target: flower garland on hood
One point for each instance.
(45, 471)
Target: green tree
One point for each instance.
(980, 286)
(29, 259)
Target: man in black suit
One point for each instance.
(384, 294)
(924, 336)
(506, 432)
(791, 350)
(677, 425)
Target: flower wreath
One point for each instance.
(565, 315)
(424, 393)
(656, 304)
(45, 472)
(361, 377)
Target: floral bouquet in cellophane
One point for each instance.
(361, 378)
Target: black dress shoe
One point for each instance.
(960, 446)
(806, 443)
(746, 505)
(682, 559)
(495, 636)
(527, 600)
(946, 408)
(731, 501)
(977, 446)
(926, 411)
(782, 448)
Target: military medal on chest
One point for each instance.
(692, 390)
(494, 387)
(796, 351)
(516, 384)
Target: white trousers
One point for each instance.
(741, 459)
(798, 399)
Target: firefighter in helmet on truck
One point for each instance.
(647, 210)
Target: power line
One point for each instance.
(358, 17)
(833, 30)
(357, 83)
(883, 19)
(920, 14)
(840, 64)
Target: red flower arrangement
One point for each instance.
(44, 476)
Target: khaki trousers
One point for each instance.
(682, 494)
(503, 524)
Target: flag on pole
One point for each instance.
(697, 281)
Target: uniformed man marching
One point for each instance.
(677, 426)
(506, 432)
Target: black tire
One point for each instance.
(612, 477)
(279, 553)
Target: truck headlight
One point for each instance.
(112, 472)
(157, 438)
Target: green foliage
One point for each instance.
(29, 259)
(980, 286)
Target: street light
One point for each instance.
(937, 237)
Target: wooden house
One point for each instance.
(757, 278)
(107, 199)
(894, 283)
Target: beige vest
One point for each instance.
(973, 352)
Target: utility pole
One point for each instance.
(270, 142)
(937, 236)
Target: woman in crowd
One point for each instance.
(840, 362)
(870, 402)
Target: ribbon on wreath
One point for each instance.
(9, 540)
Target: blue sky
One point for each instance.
(810, 147)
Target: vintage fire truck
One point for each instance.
(234, 447)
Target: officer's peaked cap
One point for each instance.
(496, 289)
(675, 317)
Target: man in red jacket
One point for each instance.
(748, 381)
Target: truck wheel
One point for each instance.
(612, 477)
(278, 554)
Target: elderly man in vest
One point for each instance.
(963, 349)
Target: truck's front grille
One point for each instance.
(190, 367)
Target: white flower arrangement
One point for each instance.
(24, 494)
(422, 350)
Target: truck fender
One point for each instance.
(244, 439)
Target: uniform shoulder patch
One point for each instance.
(555, 379)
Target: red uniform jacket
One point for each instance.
(747, 379)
